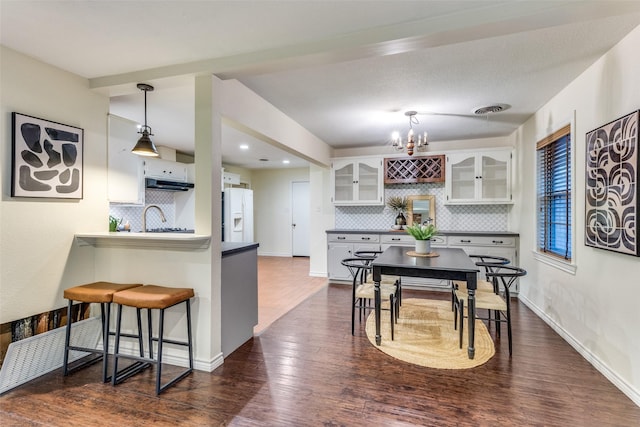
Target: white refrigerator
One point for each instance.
(238, 215)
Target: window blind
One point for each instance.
(554, 194)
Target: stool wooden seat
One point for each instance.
(100, 293)
(152, 297)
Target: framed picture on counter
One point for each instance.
(47, 158)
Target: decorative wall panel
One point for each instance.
(612, 192)
(47, 158)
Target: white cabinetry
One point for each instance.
(165, 169)
(124, 169)
(357, 181)
(479, 178)
(343, 246)
(503, 246)
(230, 178)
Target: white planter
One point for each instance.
(423, 246)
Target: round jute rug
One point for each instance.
(424, 335)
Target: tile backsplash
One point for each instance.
(133, 214)
(448, 217)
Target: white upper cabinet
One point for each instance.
(124, 169)
(479, 178)
(357, 181)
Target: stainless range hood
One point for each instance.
(161, 184)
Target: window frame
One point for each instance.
(568, 265)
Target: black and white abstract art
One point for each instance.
(612, 191)
(47, 159)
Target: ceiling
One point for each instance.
(345, 70)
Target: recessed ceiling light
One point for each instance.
(244, 147)
(286, 162)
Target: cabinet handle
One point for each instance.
(465, 241)
(341, 238)
(395, 238)
(366, 238)
(497, 241)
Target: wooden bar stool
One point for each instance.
(152, 297)
(99, 293)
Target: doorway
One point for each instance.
(300, 219)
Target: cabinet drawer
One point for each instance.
(399, 239)
(354, 238)
(405, 239)
(482, 241)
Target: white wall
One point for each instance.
(436, 147)
(596, 309)
(39, 258)
(322, 218)
(272, 208)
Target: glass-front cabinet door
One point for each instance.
(369, 174)
(463, 177)
(479, 178)
(494, 184)
(357, 182)
(344, 179)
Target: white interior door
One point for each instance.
(300, 206)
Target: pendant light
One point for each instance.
(144, 146)
(412, 144)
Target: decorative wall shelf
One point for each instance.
(405, 170)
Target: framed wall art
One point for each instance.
(612, 188)
(47, 158)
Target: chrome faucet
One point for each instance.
(144, 216)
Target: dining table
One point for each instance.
(442, 263)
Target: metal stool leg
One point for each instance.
(67, 340)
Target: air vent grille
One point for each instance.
(496, 108)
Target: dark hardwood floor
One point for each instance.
(307, 370)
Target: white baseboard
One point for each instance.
(318, 274)
(612, 376)
(209, 365)
(179, 357)
(280, 254)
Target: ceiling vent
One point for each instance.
(495, 108)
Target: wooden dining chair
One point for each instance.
(386, 280)
(482, 284)
(363, 292)
(502, 277)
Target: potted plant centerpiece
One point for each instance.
(423, 235)
(399, 206)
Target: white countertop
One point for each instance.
(144, 240)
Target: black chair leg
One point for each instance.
(509, 326)
(455, 316)
(461, 314)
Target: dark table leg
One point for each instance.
(377, 303)
(471, 302)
